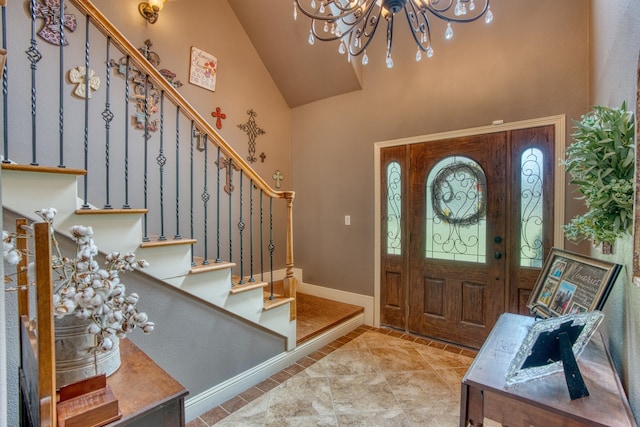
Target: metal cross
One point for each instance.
(219, 115)
(278, 177)
(262, 157)
(50, 32)
(251, 129)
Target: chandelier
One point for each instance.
(354, 22)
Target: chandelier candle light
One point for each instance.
(354, 22)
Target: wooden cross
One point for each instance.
(278, 177)
(228, 187)
(219, 115)
(262, 157)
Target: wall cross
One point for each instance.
(278, 177)
(253, 131)
(224, 164)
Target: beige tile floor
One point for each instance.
(370, 377)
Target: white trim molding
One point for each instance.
(559, 197)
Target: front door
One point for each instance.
(466, 225)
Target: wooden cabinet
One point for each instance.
(147, 395)
(545, 401)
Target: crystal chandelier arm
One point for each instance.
(332, 10)
(359, 38)
(445, 12)
(419, 25)
(358, 22)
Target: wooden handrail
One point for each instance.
(45, 334)
(22, 278)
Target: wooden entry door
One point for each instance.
(466, 225)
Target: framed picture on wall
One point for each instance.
(203, 69)
(571, 283)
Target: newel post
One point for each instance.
(290, 281)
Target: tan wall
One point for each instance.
(243, 82)
(615, 53)
(532, 61)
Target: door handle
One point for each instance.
(497, 239)
(497, 255)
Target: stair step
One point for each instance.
(277, 301)
(238, 288)
(211, 266)
(110, 211)
(43, 169)
(155, 242)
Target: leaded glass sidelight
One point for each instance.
(456, 224)
(394, 209)
(531, 178)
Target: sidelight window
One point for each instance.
(531, 180)
(394, 209)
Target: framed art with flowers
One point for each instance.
(203, 69)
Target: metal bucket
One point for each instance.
(75, 359)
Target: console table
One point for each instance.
(147, 395)
(544, 401)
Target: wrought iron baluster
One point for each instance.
(218, 172)
(241, 232)
(271, 248)
(177, 236)
(126, 135)
(107, 116)
(5, 89)
(191, 191)
(85, 205)
(61, 88)
(251, 278)
(230, 172)
(34, 57)
(261, 237)
(205, 201)
(145, 173)
(161, 160)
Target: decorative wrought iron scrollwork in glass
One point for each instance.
(394, 209)
(531, 180)
(456, 211)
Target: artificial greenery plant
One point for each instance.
(601, 163)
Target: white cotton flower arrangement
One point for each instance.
(84, 289)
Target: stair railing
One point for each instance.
(185, 167)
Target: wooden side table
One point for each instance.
(147, 395)
(544, 401)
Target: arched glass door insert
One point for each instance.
(456, 223)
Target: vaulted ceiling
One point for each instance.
(302, 72)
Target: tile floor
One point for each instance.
(370, 377)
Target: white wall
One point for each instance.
(615, 51)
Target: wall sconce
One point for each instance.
(150, 10)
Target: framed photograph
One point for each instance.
(539, 353)
(571, 283)
(203, 69)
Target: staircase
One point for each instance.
(26, 189)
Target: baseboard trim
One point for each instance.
(208, 399)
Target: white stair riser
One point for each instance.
(27, 192)
(167, 262)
